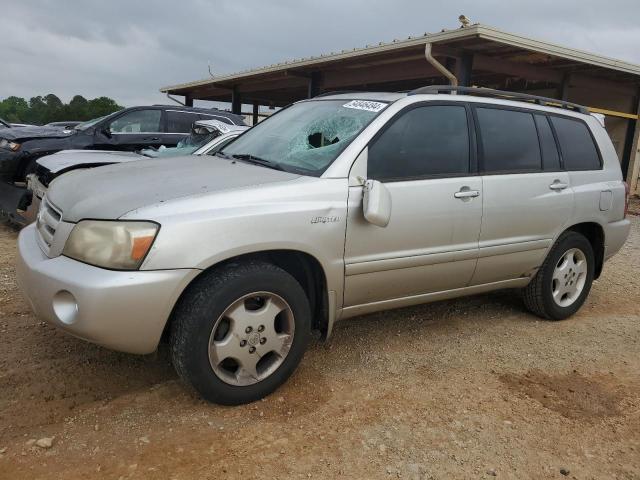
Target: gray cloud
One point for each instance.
(129, 49)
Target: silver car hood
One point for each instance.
(65, 159)
(111, 191)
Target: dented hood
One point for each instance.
(111, 191)
(26, 133)
(67, 159)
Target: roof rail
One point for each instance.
(337, 92)
(490, 92)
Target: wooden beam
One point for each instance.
(236, 102)
(314, 84)
(256, 111)
(634, 158)
(464, 68)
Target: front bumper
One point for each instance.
(125, 311)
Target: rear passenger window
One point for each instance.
(425, 141)
(180, 122)
(550, 156)
(578, 150)
(509, 141)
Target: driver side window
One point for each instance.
(138, 121)
(423, 142)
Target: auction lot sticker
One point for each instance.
(365, 105)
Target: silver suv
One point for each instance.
(333, 207)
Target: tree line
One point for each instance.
(41, 110)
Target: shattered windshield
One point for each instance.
(305, 137)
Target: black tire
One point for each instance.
(538, 296)
(28, 168)
(206, 300)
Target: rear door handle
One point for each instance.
(153, 139)
(466, 193)
(558, 185)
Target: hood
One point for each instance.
(22, 133)
(69, 159)
(111, 191)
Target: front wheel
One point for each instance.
(240, 331)
(563, 282)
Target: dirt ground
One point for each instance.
(472, 388)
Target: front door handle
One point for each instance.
(558, 185)
(465, 192)
(153, 139)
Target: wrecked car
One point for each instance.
(126, 130)
(68, 125)
(206, 138)
(333, 207)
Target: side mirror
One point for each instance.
(106, 131)
(376, 203)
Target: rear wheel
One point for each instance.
(240, 331)
(563, 282)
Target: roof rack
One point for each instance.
(336, 92)
(490, 92)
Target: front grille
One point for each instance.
(47, 222)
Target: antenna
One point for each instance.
(209, 67)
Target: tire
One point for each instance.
(571, 284)
(218, 310)
(29, 168)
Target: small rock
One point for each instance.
(45, 442)
(96, 427)
(492, 472)
(564, 471)
(30, 442)
(3, 450)
(144, 439)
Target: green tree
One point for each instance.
(102, 106)
(13, 109)
(78, 107)
(40, 110)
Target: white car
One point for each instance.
(337, 206)
(207, 137)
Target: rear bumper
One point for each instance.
(125, 311)
(615, 234)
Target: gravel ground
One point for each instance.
(472, 388)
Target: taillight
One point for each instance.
(626, 199)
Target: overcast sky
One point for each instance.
(128, 49)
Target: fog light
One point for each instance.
(65, 307)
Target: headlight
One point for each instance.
(13, 146)
(114, 245)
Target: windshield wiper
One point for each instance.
(246, 157)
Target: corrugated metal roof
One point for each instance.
(477, 30)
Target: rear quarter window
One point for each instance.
(578, 149)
